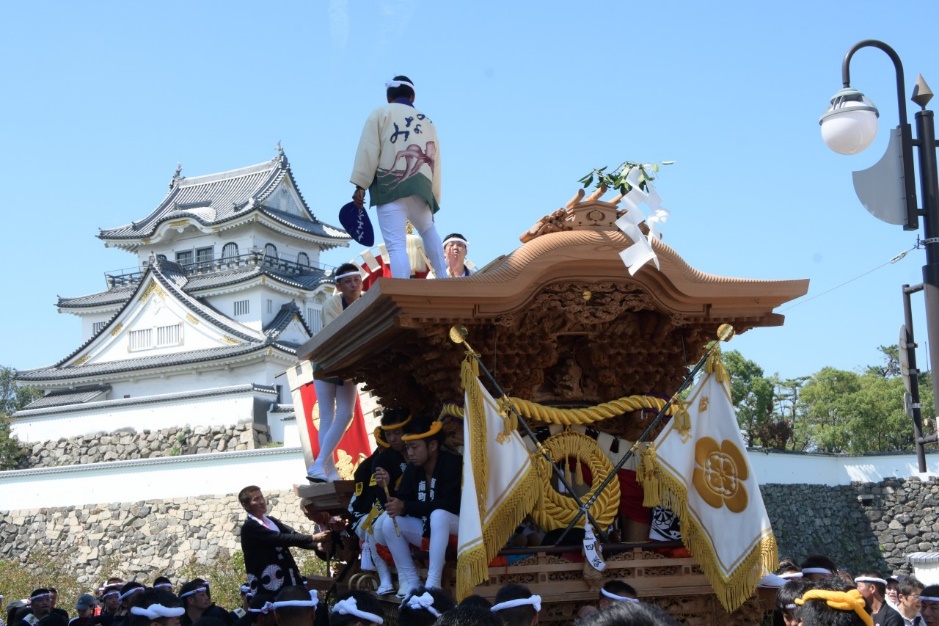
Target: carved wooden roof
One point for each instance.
(559, 320)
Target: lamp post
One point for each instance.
(888, 189)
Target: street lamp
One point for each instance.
(888, 189)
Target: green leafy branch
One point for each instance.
(616, 179)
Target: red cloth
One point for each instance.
(631, 494)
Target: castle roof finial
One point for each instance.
(177, 175)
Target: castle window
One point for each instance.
(229, 251)
(303, 259)
(141, 339)
(242, 307)
(184, 258)
(270, 254)
(204, 257)
(314, 318)
(97, 327)
(169, 335)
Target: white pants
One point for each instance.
(368, 544)
(442, 525)
(392, 220)
(336, 406)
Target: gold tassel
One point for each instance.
(645, 476)
(682, 419)
(579, 474)
(476, 414)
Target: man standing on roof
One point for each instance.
(398, 161)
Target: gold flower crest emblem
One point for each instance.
(719, 472)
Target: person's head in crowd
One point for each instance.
(154, 607)
(357, 608)
(909, 592)
(789, 611)
(516, 605)
(393, 421)
(252, 501)
(616, 591)
(929, 605)
(788, 569)
(128, 591)
(628, 614)
(295, 606)
(110, 598)
(891, 594)
(17, 610)
(454, 252)
(53, 595)
(399, 90)
(261, 609)
(164, 583)
(85, 606)
(872, 587)
(476, 600)
(40, 600)
(818, 567)
(194, 597)
(469, 615)
(204, 583)
(833, 602)
(422, 438)
(423, 606)
(349, 282)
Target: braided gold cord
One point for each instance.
(569, 417)
(559, 510)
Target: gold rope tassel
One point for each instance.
(579, 474)
(716, 366)
(645, 476)
(469, 374)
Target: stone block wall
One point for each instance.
(137, 539)
(861, 526)
(128, 444)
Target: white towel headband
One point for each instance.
(349, 606)
(425, 601)
(390, 84)
(534, 601)
(311, 603)
(156, 611)
(613, 596)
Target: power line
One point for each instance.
(895, 259)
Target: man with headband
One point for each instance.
(426, 505)
(909, 593)
(872, 588)
(154, 607)
(40, 601)
(929, 601)
(368, 501)
(398, 161)
(295, 606)
(517, 606)
(454, 251)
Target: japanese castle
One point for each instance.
(228, 285)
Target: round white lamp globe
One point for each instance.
(849, 125)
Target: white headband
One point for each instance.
(47, 594)
(267, 608)
(613, 596)
(455, 239)
(347, 275)
(390, 84)
(425, 601)
(929, 599)
(114, 592)
(790, 607)
(312, 602)
(194, 592)
(350, 607)
(870, 579)
(534, 601)
(791, 575)
(163, 586)
(129, 593)
(816, 570)
(156, 611)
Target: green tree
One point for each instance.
(753, 398)
(12, 399)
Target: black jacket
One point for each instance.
(268, 561)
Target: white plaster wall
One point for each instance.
(166, 478)
(783, 468)
(110, 415)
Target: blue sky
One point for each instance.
(103, 99)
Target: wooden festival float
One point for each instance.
(562, 323)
